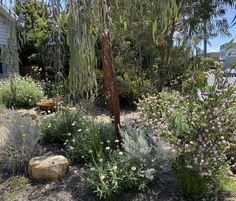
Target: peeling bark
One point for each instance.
(108, 71)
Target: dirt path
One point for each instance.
(124, 117)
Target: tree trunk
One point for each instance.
(205, 47)
(108, 71)
(205, 40)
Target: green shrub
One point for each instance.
(28, 92)
(52, 89)
(130, 88)
(116, 172)
(2, 107)
(91, 141)
(22, 141)
(61, 126)
(108, 179)
(77, 133)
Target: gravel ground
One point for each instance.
(71, 189)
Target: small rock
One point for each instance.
(31, 113)
(48, 167)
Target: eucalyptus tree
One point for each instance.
(200, 19)
(108, 69)
(33, 30)
(90, 20)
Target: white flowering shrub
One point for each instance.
(77, 134)
(21, 143)
(28, 92)
(62, 126)
(108, 179)
(115, 172)
(91, 141)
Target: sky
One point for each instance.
(216, 42)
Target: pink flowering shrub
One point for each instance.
(201, 126)
(164, 114)
(202, 148)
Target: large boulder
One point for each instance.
(48, 167)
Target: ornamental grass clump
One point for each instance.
(202, 136)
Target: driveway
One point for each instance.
(211, 80)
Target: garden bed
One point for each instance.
(70, 188)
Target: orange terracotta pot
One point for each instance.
(45, 106)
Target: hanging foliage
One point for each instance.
(56, 45)
(161, 12)
(84, 29)
(83, 20)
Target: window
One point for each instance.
(1, 68)
(1, 65)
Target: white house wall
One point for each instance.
(6, 27)
(228, 54)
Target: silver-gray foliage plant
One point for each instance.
(22, 141)
(156, 156)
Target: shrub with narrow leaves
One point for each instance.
(108, 179)
(116, 172)
(90, 141)
(62, 126)
(22, 141)
(77, 133)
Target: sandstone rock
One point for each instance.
(31, 113)
(48, 167)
